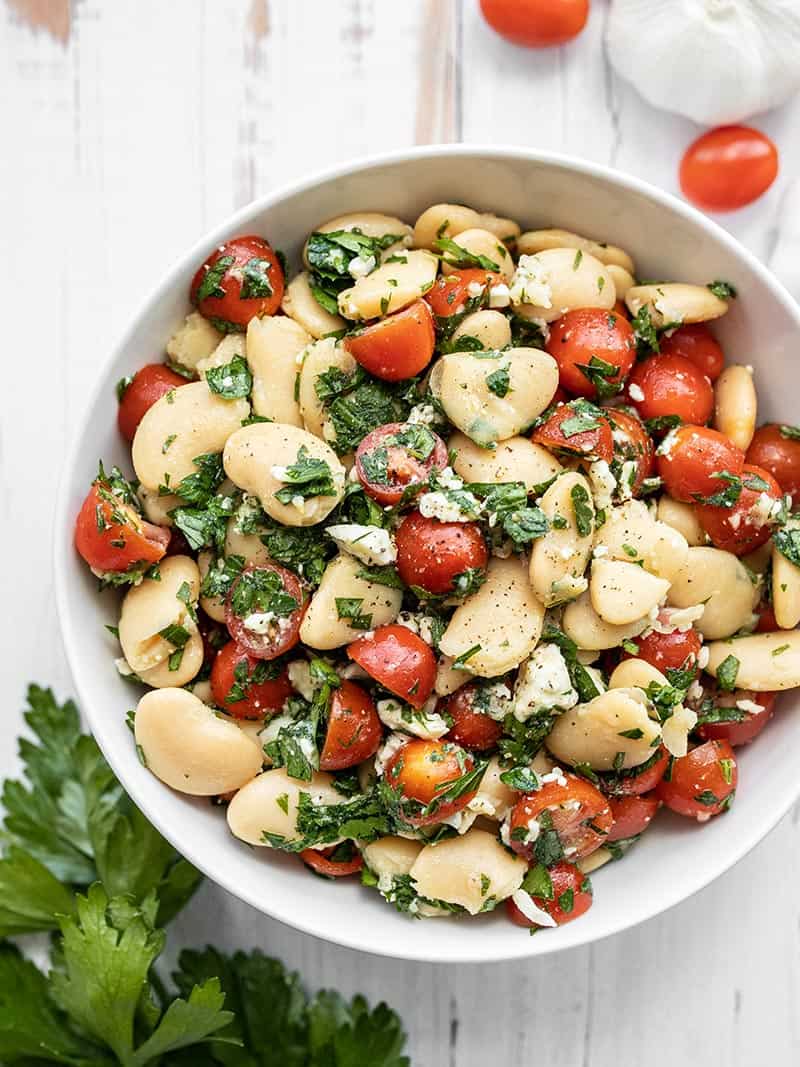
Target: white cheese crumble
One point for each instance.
(495, 701)
(669, 442)
(603, 483)
(763, 509)
(543, 683)
(599, 551)
(499, 296)
(300, 677)
(680, 619)
(474, 289)
(359, 267)
(259, 622)
(555, 775)
(388, 750)
(627, 477)
(280, 474)
(422, 415)
(532, 912)
(423, 723)
(441, 507)
(530, 284)
(635, 393)
(370, 544)
(418, 623)
(703, 657)
(750, 706)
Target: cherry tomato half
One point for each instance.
(423, 771)
(398, 346)
(451, 294)
(354, 729)
(536, 23)
(472, 728)
(701, 783)
(399, 660)
(577, 811)
(112, 537)
(147, 385)
(749, 726)
(246, 687)
(431, 554)
(728, 167)
(667, 651)
(264, 609)
(240, 280)
(570, 897)
(335, 862)
(692, 460)
(748, 524)
(776, 451)
(637, 780)
(593, 348)
(632, 442)
(395, 456)
(577, 431)
(668, 384)
(696, 343)
(632, 815)
(767, 623)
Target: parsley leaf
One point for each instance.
(232, 380)
(210, 284)
(255, 279)
(584, 512)
(198, 488)
(726, 673)
(787, 542)
(369, 405)
(727, 497)
(644, 331)
(599, 372)
(456, 256)
(308, 476)
(723, 290)
(499, 382)
(349, 609)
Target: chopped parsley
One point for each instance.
(726, 673)
(307, 477)
(231, 381)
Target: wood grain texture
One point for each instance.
(131, 128)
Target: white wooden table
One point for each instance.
(127, 130)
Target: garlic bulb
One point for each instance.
(715, 61)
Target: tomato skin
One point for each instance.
(137, 541)
(320, 862)
(565, 878)
(471, 729)
(403, 468)
(739, 529)
(626, 784)
(422, 770)
(354, 729)
(230, 312)
(577, 838)
(398, 346)
(739, 733)
(697, 773)
(673, 651)
(536, 23)
(695, 454)
(586, 332)
(777, 454)
(767, 623)
(728, 167)
(671, 385)
(261, 698)
(632, 815)
(597, 443)
(283, 636)
(431, 554)
(399, 660)
(696, 343)
(450, 292)
(632, 442)
(148, 384)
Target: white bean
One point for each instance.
(622, 278)
(670, 303)
(767, 662)
(196, 339)
(584, 626)
(391, 287)
(559, 559)
(534, 241)
(213, 606)
(157, 506)
(320, 357)
(569, 280)
(268, 805)
(391, 856)
(786, 586)
(468, 871)
(152, 606)
(630, 533)
(323, 628)
(623, 592)
(683, 518)
(191, 660)
(273, 345)
(229, 347)
(494, 798)
(443, 220)
(300, 304)
(635, 673)
(517, 459)
(599, 858)
(594, 732)
(478, 242)
(735, 405)
(249, 546)
(490, 328)
(370, 223)
(448, 677)
(718, 580)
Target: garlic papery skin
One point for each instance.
(714, 61)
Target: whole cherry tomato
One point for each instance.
(399, 660)
(569, 897)
(264, 609)
(696, 343)
(668, 384)
(632, 442)
(422, 772)
(472, 728)
(111, 535)
(748, 524)
(136, 397)
(398, 346)
(396, 456)
(594, 350)
(335, 862)
(632, 815)
(432, 554)
(576, 429)
(451, 293)
(693, 462)
(577, 811)
(748, 724)
(240, 280)
(354, 729)
(776, 448)
(676, 650)
(536, 23)
(246, 687)
(701, 783)
(728, 167)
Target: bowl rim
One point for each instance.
(64, 520)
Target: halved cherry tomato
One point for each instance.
(577, 811)
(632, 815)
(577, 431)
(746, 728)
(399, 660)
(620, 309)
(422, 771)
(398, 346)
(693, 460)
(147, 385)
(111, 535)
(536, 23)
(632, 442)
(600, 341)
(264, 609)
(472, 728)
(671, 385)
(571, 897)
(637, 780)
(451, 294)
(247, 687)
(354, 729)
(696, 343)
(728, 167)
(748, 524)
(776, 451)
(240, 280)
(395, 456)
(431, 554)
(671, 651)
(701, 783)
(335, 862)
(767, 623)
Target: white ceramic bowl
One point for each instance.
(668, 240)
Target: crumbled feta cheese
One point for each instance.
(703, 657)
(474, 289)
(495, 700)
(505, 833)
(259, 622)
(419, 623)
(543, 683)
(695, 692)
(568, 588)
(448, 479)
(635, 393)
(422, 415)
(273, 727)
(599, 551)
(532, 912)
(441, 507)
(603, 483)
(300, 677)
(530, 285)
(763, 509)
(499, 296)
(669, 442)
(124, 668)
(370, 544)
(680, 619)
(280, 474)
(750, 706)
(461, 820)
(351, 670)
(423, 723)
(388, 750)
(555, 775)
(627, 478)
(359, 267)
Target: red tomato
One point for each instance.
(450, 293)
(694, 456)
(637, 780)
(748, 727)
(145, 387)
(431, 554)
(702, 783)
(112, 537)
(596, 339)
(632, 442)
(395, 456)
(399, 660)
(397, 347)
(767, 623)
(571, 897)
(620, 309)
(240, 280)
(581, 829)
(178, 545)
(671, 385)
(422, 772)
(577, 431)
(778, 453)
(354, 729)
(239, 675)
(263, 590)
(472, 728)
(536, 23)
(748, 524)
(671, 651)
(335, 862)
(632, 815)
(728, 167)
(697, 344)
